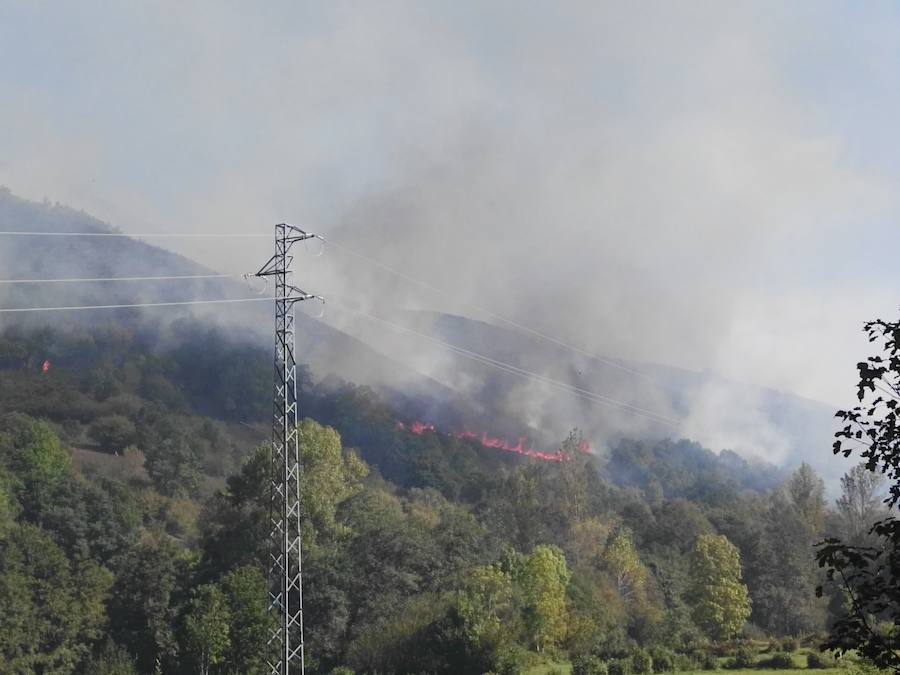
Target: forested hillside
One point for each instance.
(449, 338)
(133, 527)
(406, 370)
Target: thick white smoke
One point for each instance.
(658, 182)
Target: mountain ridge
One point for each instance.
(452, 395)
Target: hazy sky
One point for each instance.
(704, 184)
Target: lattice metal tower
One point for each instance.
(286, 568)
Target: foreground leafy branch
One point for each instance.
(869, 575)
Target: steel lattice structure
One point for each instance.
(286, 568)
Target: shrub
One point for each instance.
(588, 665)
(743, 658)
(113, 432)
(864, 667)
(641, 662)
(663, 660)
(686, 662)
(778, 661)
(342, 670)
(511, 659)
(820, 660)
(753, 632)
(789, 645)
(619, 667)
(708, 661)
(112, 660)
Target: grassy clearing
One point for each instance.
(566, 669)
(547, 668)
(766, 671)
(543, 665)
(799, 657)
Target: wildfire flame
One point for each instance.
(419, 427)
(486, 440)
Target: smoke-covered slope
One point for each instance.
(326, 350)
(617, 399)
(757, 422)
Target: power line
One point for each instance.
(463, 352)
(475, 356)
(481, 358)
(134, 304)
(93, 279)
(515, 370)
(577, 391)
(146, 235)
(510, 322)
(387, 268)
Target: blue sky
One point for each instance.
(706, 184)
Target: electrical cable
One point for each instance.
(481, 358)
(581, 393)
(515, 324)
(100, 279)
(509, 368)
(515, 370)
(510, 322)
(145, 235)
(10, 310)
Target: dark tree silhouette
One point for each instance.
(870, 575)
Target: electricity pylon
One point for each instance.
(285, 565)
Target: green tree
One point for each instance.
(173, 466)
(111, 660)
(207, 628)
(598, 616)
(236, 522)
(484, 603)
(90, 519)
(719, 599)
(517, 507)
(783, 593)
(145, 604)
(400, 641)
(678, 524)
(588, 665)
(573, 474)
(32, 451)
(113, 433)
(807, 494)
(246, 592)
(860, 503)
(50, 614)
(624, 565)
(544, 580)
(330, 476)
(633, 582)
(8, 506)
(586, 541)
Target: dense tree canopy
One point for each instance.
(141, 501)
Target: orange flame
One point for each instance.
(488, 441)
